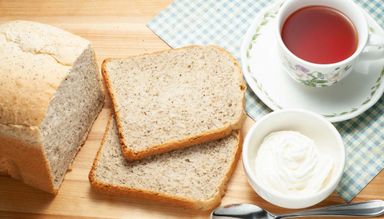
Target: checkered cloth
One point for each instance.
(224, 22)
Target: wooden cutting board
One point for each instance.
(116, 29)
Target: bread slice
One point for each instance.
(174, 98)
(194, 177)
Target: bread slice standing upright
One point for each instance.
(50, 94)
(194, 177)
(174, 98)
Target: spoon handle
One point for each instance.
(369, 208)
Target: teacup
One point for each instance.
(369, 45)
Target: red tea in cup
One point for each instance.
(320, 35)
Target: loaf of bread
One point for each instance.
(50, 94)
(174, 98)
(194, 177)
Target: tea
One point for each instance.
(319, 34)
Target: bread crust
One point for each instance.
(202, 205)
(29, 162)
(27, 92)
(26, 86)
(209, 135)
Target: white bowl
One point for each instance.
(314, 126)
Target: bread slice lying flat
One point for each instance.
(174, 98)
(194, 177)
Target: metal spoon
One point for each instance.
(249, 211)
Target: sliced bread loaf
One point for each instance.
(194, 177)
(50, 94)
(174, 98)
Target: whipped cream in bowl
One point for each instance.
(293, 158)
(289, 163)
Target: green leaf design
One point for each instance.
(321, 81)
(255, 36)
(371, 29)
(319, 75)
(264, 22)
(366, 101)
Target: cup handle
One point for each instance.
(373, 50)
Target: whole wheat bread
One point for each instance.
(174, 98)
(194, 177)
(50, 94)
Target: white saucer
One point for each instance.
(262, 70)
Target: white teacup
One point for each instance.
(370, 46)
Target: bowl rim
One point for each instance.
(251, 176)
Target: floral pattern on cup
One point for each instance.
(315, 78)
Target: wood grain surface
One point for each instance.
(116, 28)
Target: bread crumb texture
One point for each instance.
(175, 94)
(196, 173)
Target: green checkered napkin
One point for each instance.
(224, 22)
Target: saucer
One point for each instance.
(264, 74)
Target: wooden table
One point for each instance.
(117, 29)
